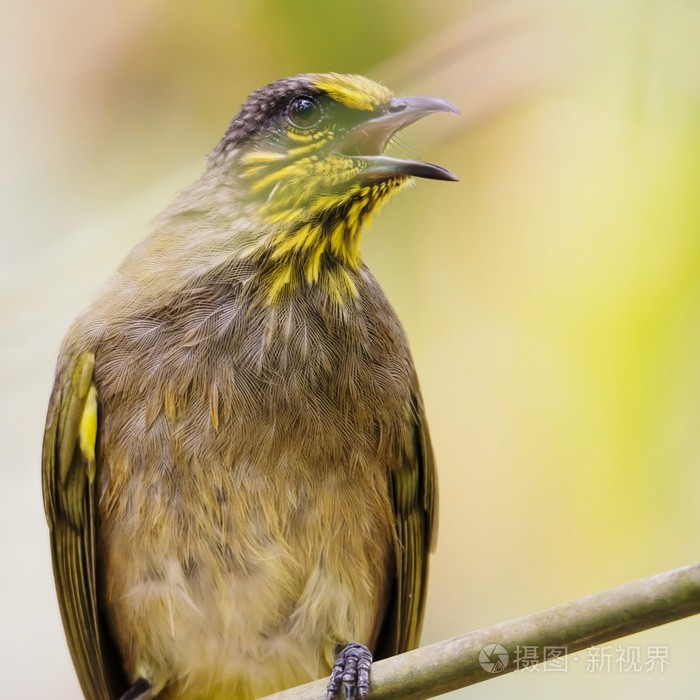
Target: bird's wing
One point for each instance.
(414, 497)
(68, 480)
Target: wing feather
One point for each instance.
(414, 496)
(69, 502)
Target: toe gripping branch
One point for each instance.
(351, 669)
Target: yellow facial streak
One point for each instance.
(278, 175)
(261, 158)
(313, 266)
(279, 281)
(338, 238)
(310, 147)
(301, 137)
(304, 238)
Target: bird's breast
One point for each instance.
(246, 485)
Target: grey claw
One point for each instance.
(351, 670)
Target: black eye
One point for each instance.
(304, 112)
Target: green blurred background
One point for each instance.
(552, 297)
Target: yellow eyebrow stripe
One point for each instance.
(353, 91)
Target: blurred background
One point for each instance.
(552, 296)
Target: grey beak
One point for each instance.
(369, 139)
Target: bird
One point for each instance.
(237, 470)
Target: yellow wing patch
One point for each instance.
(353, 91)
(88, 431)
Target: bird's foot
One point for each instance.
(139, 691)
(351, 671)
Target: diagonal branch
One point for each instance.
(595, 619)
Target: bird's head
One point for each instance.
(306, 154)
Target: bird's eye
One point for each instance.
(304, 112)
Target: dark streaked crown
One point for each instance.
(260, 108)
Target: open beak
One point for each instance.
(368, 140)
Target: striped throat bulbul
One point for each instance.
(237, 470)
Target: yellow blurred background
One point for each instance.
(552, 297)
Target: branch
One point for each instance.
(595, 619)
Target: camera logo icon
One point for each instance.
(493, 658)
